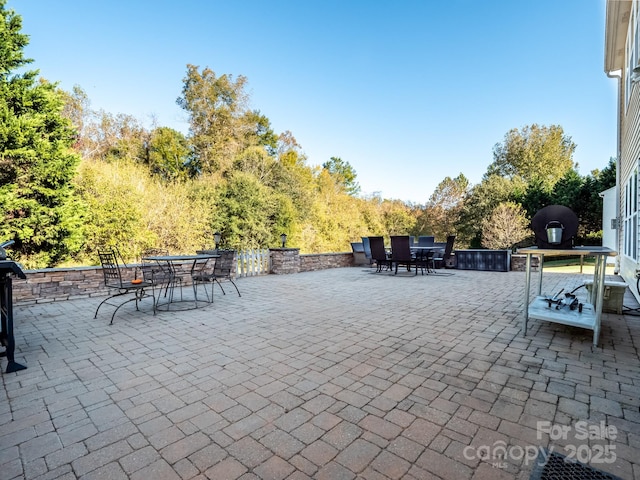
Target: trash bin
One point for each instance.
(613, 296)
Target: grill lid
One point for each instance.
(555, 226)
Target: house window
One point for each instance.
(633, 47)
(631, 216)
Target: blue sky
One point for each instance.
(408, 92)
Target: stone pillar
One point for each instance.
(285, 260)
(519, 262)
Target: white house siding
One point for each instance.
(629, 165)
(617, 64)
(609, 234)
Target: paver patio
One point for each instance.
(334, 374)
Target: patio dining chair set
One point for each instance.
(423, 255)
(161, 277)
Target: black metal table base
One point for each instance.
(13, 366)
(6, 318)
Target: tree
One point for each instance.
(591, 217)
(217, 111)
(507, 225)
(77, 108)
(606, 178)
(168, 154)
(535, 153)
(334, 217)
(103, 135)
(259, 132)
(289, 151)
(39, 208)
(344, 174)
(441, 214)
(480, 201)
(397, 217)
(536, 196)
(246, 209)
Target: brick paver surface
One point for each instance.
(335, 374)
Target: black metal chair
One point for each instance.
(378, 253)
(203, 273)
(225, 269)
(440, 261)
(401, 252)
(113, 279)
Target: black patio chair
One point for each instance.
(378, 253)
(401, 252)
(225, 269)
(114, 280)
(203, 273)
(440, 261)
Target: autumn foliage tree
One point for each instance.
(506, 227)
(441, 215)
(216, 106)
(534, 153)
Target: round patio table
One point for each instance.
(173, 261)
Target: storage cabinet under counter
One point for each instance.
(589, 316)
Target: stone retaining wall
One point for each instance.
(320, 261)
(55, 284)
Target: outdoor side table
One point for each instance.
(8, 268)
(590, 316)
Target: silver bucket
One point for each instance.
(554, 232)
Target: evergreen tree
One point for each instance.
(37, 165)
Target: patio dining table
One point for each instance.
(422, 253)
(434, 248)
(175, 263)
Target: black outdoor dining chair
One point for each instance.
(378, 253)
(225, 268)
(401, 252)
(202, 273)
(440, 261)
(113, 279)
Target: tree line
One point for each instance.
(74, 179)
